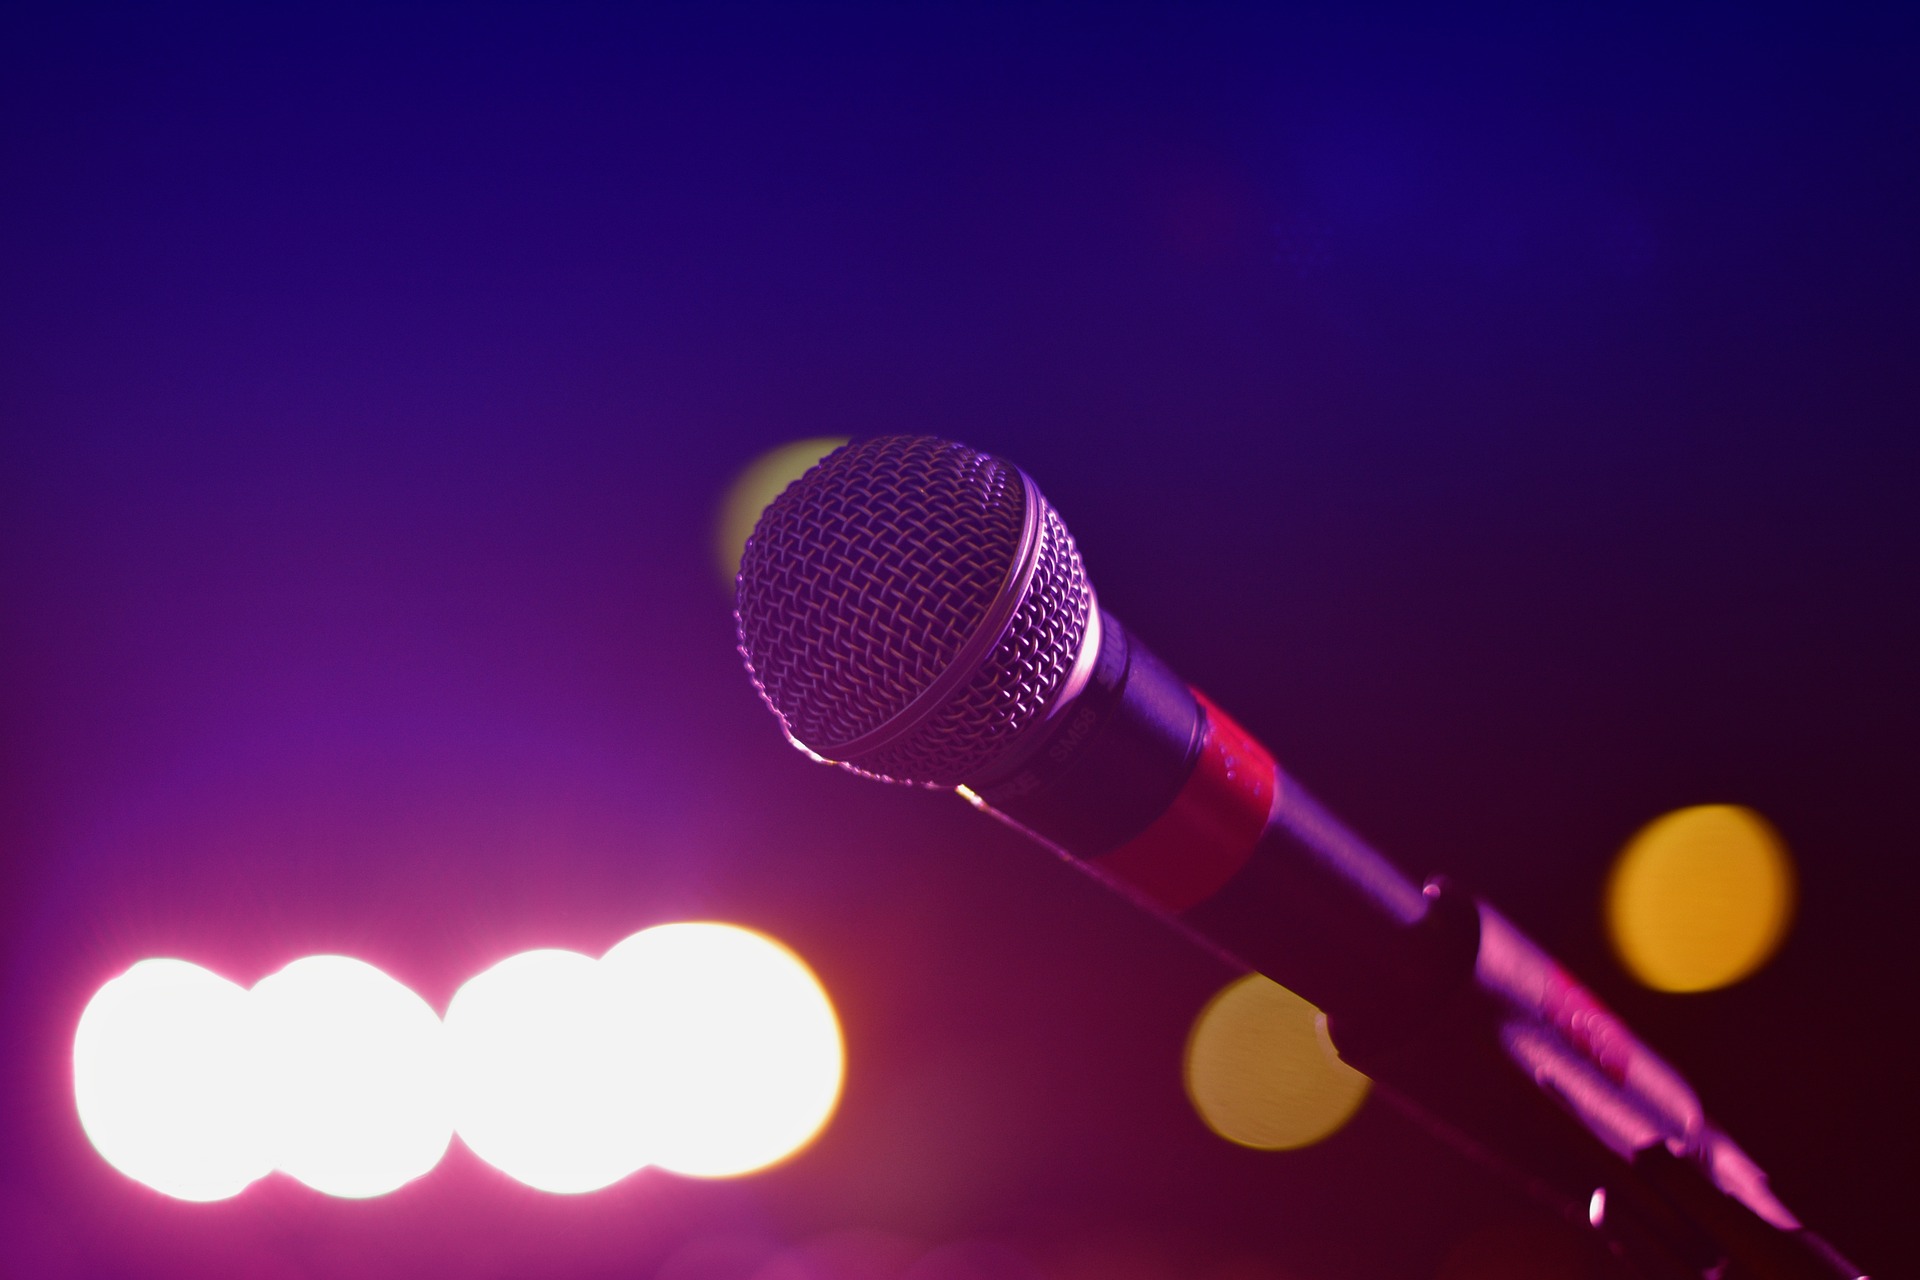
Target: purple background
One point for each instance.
(1510, 418)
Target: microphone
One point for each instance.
(915, 611)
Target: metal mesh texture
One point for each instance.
(865, 578)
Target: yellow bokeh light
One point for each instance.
(762, 481)
(1261, 1071)
(1700, 898)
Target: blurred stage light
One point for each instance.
(756, 486)
(166, 1079)
(544, 1069)
(1700, 898)
(355, 1076)
(1261, 1071)
(708, 1049)
(742, 1053)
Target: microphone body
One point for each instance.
(916, 612)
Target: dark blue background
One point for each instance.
(1510, 416)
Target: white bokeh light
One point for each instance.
(706, 1049)
(740, 1053)
(354, 1076)
(166, 1080)
(543, 1073)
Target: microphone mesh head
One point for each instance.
(865, 580)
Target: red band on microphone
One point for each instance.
(1209, 831)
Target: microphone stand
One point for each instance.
(1555, 1094)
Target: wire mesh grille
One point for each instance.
(865, 578)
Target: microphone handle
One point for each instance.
(1142, 781)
